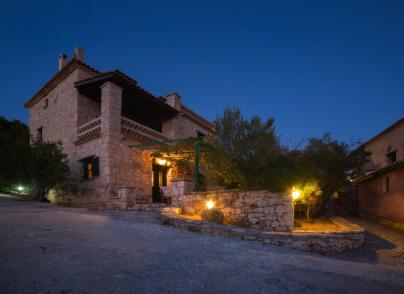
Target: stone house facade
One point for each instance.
(381, 190)
(98, 117)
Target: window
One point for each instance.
(391, 157)
(91, 167)
(200, 134)
(46, 103)
(386, 184)
(39, 134)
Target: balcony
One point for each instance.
(141, 132)
(88, 131)
(92, 130)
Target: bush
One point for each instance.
(213, 215)
(49, 170)
(242, 152)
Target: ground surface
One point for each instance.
(321, 224)
(45, 249)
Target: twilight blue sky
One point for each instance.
(315, 66)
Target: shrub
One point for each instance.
(213, 215)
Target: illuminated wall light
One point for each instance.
(161, 161)
(20, 188)
(295, 194)
(210, 204)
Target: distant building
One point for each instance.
(381, 190)
(97, 117)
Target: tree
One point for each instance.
(48, 169)
(324, 167)
(40, 165)
(14, 150)
(243, 152)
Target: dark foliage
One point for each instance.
(41, 165)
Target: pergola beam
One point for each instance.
(197, 146)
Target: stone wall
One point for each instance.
(349, 237)
(258, 209)
(186, 123)
(59, 119)
(87, 109)
(181, 127)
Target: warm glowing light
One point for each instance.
(20, 188)
(161, 161)
(210, 204)
(295, 194)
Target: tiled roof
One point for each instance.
(390, 168)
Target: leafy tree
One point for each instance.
(242, 152)
(48, 169)
(40, 165)
(14, 150)
(329, 164)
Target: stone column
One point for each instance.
(111, 105)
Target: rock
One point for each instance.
(213, 215)
(188, 210)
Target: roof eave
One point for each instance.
(57, 78)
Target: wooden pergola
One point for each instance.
(197, 147)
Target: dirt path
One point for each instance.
(45, 249)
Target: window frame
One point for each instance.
(90, 163)
(39, 134)
(391, 157)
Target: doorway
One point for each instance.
(159, 180)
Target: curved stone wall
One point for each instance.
(326, 242)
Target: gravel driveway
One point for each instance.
(47, 249)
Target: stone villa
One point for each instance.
(381, 190)
(97, 116)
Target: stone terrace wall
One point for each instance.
(349, 236)
(257, 209)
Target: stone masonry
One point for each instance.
(256, 209)
(92, 127)
(349, 236)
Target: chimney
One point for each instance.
(62, 60)
(174, 100)
(78, 54)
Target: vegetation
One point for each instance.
(325, 166)
(48, 169)
(214, 215)
(244, 153)
(14, 153)
(247, 154)
(38, 167)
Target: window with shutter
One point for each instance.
(91, 167)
